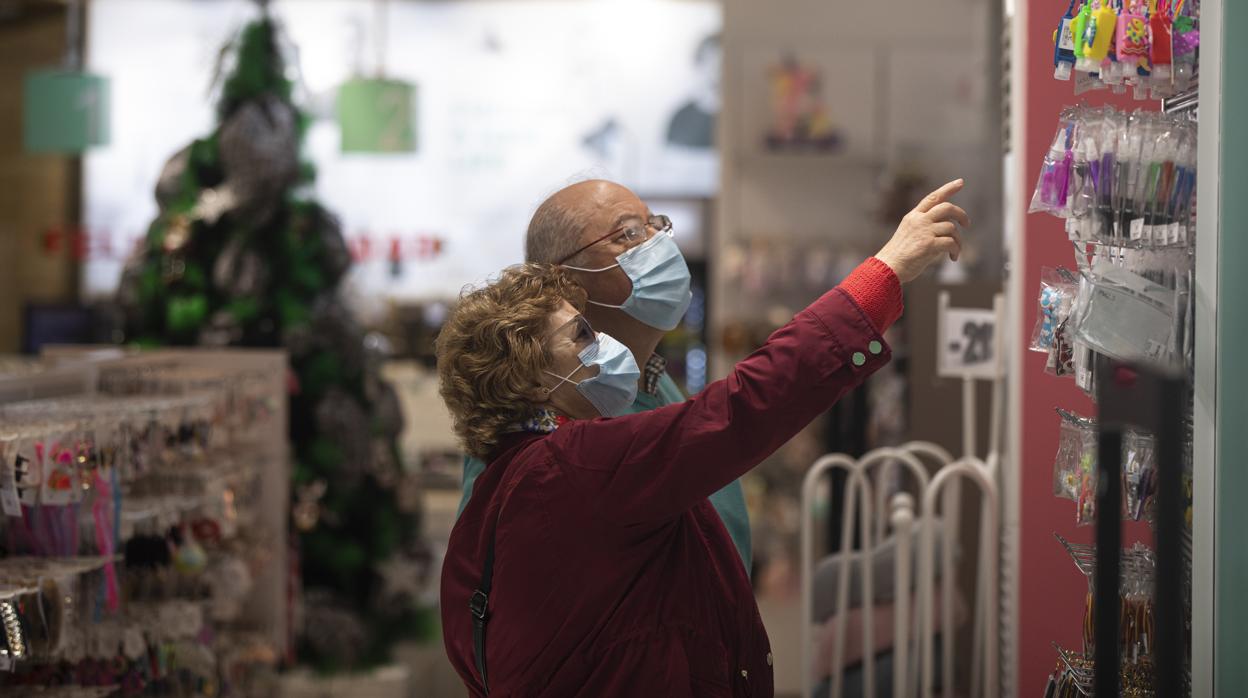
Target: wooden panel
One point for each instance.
(36, 192)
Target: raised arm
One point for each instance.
(649, 467)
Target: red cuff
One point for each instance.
(877, 291)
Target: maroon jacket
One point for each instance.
(613, 575)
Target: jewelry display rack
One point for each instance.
(144, 538)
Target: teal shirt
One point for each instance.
(729, 502)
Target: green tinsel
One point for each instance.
(259, 70)
(174, 298)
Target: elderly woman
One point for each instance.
(588, 561)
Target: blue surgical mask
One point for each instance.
(660, 277)
(614, 389)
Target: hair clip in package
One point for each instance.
(1077, 438)
(1139, 474)
(1064, 45)
(1057, 301)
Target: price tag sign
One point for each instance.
(967, 343)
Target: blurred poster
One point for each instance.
(516, 99)
(800, 116)
(810, 100)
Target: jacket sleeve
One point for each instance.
(648, 467)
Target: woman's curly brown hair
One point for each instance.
(492, 350)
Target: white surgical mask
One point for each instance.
(660, 277)
(614, 389)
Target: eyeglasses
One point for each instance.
(630, 235)
(579, 332)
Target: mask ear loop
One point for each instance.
(590, 271)
(564, 379)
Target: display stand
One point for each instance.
(226, 460)
(1121, 177)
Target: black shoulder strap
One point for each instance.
(478, 605)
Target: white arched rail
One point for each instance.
(858, 489)
(986, 607)
(932, 455)
(903, 524)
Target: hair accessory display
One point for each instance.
(1124, 183)
(1150, 46)
(1075, 472)
(131, 529)
(1121, 179)
(1064, 45)
(1136, 621)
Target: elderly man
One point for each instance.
(623, 254)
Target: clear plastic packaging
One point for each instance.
(1120, 179)
(1127, 316)
(1061, 361)
(1057, 297)
(1053, 188)
(1139, 474)
(1075, 435)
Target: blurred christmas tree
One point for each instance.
(240, 255)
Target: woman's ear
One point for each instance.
(539, 395)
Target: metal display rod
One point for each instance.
(1154, 400)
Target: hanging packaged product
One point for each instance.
(1161, 43)
(1053, 332)
(1121, 179)
(1130, 45)
(1098, 35)
(1139, 477)
(1053, 189)
(1146, 45)
(1064, 45)
(1075, 470)
(1127, 317)
(1076, 454)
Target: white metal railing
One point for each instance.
(864, 500)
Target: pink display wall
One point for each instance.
(1051, 591)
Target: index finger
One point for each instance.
(939, 196)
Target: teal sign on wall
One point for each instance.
(377, 116)
(64, 111)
